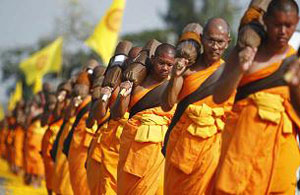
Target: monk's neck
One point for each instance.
(269, 48)
(152, 79)
(205, 61)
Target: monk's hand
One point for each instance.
(292, 76)
(106, 93)
(180, 66)
(125, 88)
(246, 58)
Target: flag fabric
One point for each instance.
(38, 84)
(104, 39)
(1, 112)
(47, 60)
(15, 96)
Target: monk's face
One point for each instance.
(280, 27)
(162, 65)
(215, 41)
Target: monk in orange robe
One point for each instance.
(33, 145)
(19, 135)
(193, 140)
(53, 123)
(61, 176)
(81, 137)
(141, 162)
(260, 153)
(104, 150)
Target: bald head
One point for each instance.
(283, 6)
(216, 24)
(165, 49)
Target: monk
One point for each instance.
(80, 139)
(104, 152)
(260, 153)
(34, 134)
(141, 164)
(19, 136)
(61, 176)
(193, 140)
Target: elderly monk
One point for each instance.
(193, 140)
(104, 152)
(141, 164)
(260, 153)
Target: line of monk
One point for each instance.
(165, 119)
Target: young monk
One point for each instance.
(194, 136)
(104, 152)
(141, 163)
(260, 153)
(61, 174)
(34, 134)
(19, 136)
(78, 147)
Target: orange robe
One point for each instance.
(260, 153)
(102, 166)
(62, 182)
(193, 148)
(33, 147)
(18, 146)
(47, 143)
(141, 162)
(3, 135)
(77, 157)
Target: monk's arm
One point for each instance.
(229, 79)
(295, 98)
(170, 95)
(120, 107)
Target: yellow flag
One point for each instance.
(38, 84)
(15, 96)
(105, 36)
(47, 60)
(1, 112)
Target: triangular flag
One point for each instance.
(105, 36)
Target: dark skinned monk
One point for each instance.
(103, 155)
(141, 163)
(260, 153)
(193, 142)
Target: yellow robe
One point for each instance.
(47, 143)
(18, 146)
(141, 163)
(33, 147)
(77, 157)
(260, 153)
(104, 179)
(194, 145)
(62, 183)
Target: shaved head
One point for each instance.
(283, 6)
(216, 24)
(165, 48)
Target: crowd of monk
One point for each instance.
(164, 119)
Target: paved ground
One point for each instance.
(11, 184)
